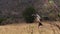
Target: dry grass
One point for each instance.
(47, 28)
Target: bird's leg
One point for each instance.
(40, 24)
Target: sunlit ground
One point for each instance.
(24, 28)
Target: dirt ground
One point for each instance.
(46, 28)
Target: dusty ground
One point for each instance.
(47, 28)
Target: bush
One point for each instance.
(1, 20)
(27, 14)
(59, 15)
